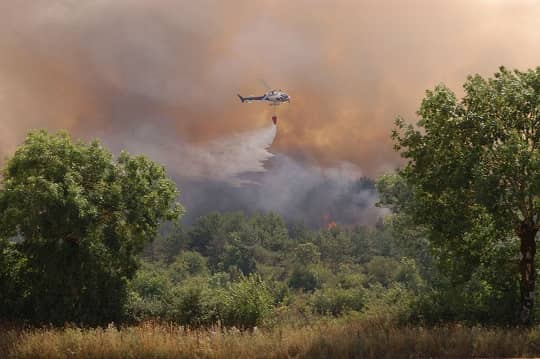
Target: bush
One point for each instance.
(237, 257)
(337, 301)
(196, 303)
(304, 278)
(394, 305)
(307, 253)
(187, 264)
(187, 305)
(248, 302)
(383, 270)
(149, 295)
(348, 279)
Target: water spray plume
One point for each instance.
(223, 159)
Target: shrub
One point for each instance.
(304, 278)
(307, 253)
(248, 302)
(187, 264)
(382, 270)
(197, 303)
(349, 280)
(337, 301)
(149, 295)
(391, 305)
(187, 305)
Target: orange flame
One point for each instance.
(328, 222)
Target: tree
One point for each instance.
(80, 218)
(12, 291)
(307, 253)
(238, 256)
(269, 231)
(248, 302)
(305, 278)
(210, 234)
(188, 264)
(474, 164)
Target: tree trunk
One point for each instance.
(527, 234)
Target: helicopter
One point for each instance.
(275, 97)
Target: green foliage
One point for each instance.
(475, 155)
(304, 278)
(13, 288)
(81, 218)
(188, 264)
(471, 180)
(170, 241)
(237, 256)
(335, 245)
(269, 231)
(390, 305)
(198, 300)
(76, 220)
(149, 296)
(390, 257)
(337, 301)
(194, 303)
(248, 302)
(307, 253)
(209, 235)
(382, 270)
(351, 277)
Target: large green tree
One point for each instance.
(474, 168)
(77, 218)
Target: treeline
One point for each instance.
(77, 225)
(261, 266)
(248, 270)
(81, 242)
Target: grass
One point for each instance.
(329, 340)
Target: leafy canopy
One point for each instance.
(472, 181)
(79, 218)
(476, 161)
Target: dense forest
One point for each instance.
(92, 240)
(230, 268)
(249, 270)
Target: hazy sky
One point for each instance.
(153, 74)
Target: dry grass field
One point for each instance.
(329, 340)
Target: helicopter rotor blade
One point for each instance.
(265, 85)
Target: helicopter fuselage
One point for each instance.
(275, 97)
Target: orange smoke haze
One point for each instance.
(103, 67)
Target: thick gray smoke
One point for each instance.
(160, 77)
(299, 192)
(237, 172)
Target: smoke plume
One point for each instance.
(222, 159)
(161, 77)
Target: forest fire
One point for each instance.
(328, 222)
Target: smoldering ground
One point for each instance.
(108, 69)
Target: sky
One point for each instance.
(160, 77)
